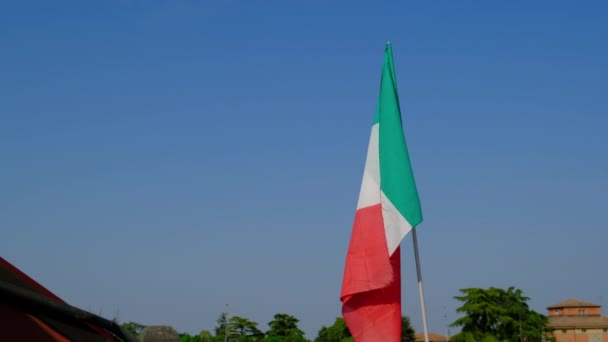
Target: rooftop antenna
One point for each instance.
(447, 324)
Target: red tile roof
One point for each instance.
(574, 303)
(432, 337)
(569, 322)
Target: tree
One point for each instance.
(189, 338)
(243, 327)
(239, 329)
(296, 337)
(221, 325)
(286, 326)
(205, 336)
(408, 334)
(338, 332)
(495, 314)
(133, 328)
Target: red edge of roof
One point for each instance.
(574, 303)
(48, 293)
(29, 280)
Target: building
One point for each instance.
(575, 320)
(432, 337)
(30, 312)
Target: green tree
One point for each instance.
(296, 337)
(338, 332)
(205, 336)
(408, 334)
(221, 326)
(133, 328)
(285, 326)
(239, 329)
(189, 338)
(495, 314)
(244, 329)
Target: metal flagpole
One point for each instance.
(226, 325)
(426, 330)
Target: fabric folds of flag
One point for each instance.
(388, 208)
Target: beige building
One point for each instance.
(432, 337)
(575, 320)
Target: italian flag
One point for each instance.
(388, 208)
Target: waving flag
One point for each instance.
(388, 208)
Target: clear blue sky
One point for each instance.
(162, 158)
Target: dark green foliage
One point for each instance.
(295, 337)
(498, 315)
(243, 330)
(245, 339)
(220, 328)
(133, 328)
(205, 336)
(189, 338)
(274, 339)
(285, 326)
(338, 332)
(408, 334)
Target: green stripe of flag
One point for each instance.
(396, 176)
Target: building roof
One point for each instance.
(574, 303)
(36, 314)
(565, 322)
(432, 337)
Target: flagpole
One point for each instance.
(421, 292)
(226, 326)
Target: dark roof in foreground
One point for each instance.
(36, 314)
